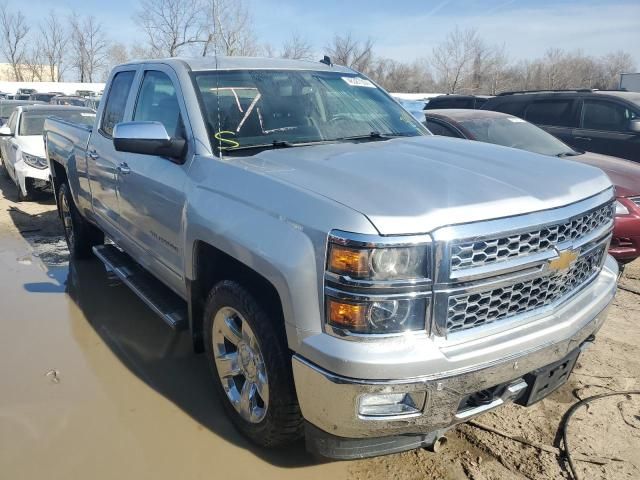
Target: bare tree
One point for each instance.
(52, 47)
(90, 47)
(454, 57)
(613, 64)
(14, 32)
(32, 68)
(297, 48)
(350, 52)
(228, 29)
(171, 25)
(496, 73)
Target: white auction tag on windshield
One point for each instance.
(516, 120)
(358, 82)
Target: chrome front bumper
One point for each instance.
(330, 401)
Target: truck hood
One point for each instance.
(417, 184)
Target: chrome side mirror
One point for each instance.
(147, 138)
(5, 131)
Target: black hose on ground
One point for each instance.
(567, 416)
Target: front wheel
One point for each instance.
(251, 366)
(81, 236)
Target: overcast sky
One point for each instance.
(408, 29)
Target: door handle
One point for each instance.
(93, 155)
(583, 138)
(123, 169)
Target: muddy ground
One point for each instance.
(93, 385)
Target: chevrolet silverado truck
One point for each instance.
(351, 278)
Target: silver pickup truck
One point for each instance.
(350, 277)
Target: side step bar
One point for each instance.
(160, 298)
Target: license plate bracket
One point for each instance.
(544, 381)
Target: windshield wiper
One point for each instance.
(568, 154)
(274, 144)
(376, 136)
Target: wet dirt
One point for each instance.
(94, 385)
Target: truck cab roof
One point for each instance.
(243, 63)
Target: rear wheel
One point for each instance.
(251, 366)
(81, 236)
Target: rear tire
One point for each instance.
(237, 327)
(81, 236)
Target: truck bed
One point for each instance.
(65, 141)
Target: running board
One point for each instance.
(160, 298)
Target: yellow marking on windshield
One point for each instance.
(232, 143)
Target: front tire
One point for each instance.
(251, 366)
(81, 236)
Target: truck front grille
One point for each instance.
(499, 249)
(480, 308)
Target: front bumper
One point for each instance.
(31, 177)
(330, 401)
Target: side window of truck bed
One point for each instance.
(116, 101)
(158, 102)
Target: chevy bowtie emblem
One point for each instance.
(564, 261)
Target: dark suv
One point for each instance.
(597, 121)
(456, 101)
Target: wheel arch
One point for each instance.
(212, 265)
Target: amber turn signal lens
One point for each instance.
(348, 261)
(350, 316)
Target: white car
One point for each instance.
(22, 145)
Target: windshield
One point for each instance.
(259, 107)
(32, 123)
(517, 133)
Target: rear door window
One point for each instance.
(116, 101)
(607, 116)
(557, 113)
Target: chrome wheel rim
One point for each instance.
(66, 220)
(240, 365)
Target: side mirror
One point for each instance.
(5, 131)
(634, 125)
(147, 138)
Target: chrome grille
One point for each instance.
(475, 309)
(498, 249)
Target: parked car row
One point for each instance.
(82, 98)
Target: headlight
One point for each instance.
(377, 285)
(379, 263)
(621, 209)
(377, 316)
(35, 162)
